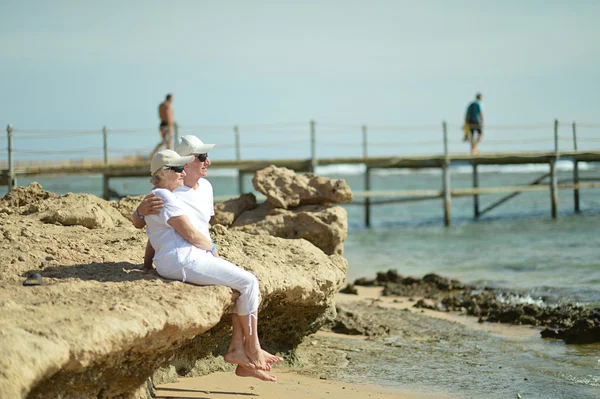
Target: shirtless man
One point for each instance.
(165, 114)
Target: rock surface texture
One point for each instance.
(100, 327)
(297, 206)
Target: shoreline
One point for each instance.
(290, 385)
(316, 379)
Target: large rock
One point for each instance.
(99, 326)
(284, 188)
(228, 211)
(325, 226)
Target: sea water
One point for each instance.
(517, 246)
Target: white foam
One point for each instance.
(518, 299)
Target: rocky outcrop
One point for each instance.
(228, 211)
(323, 225)
(296, 207)
(572, 323)
(99, 326)
(284, 188)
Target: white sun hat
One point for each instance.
(168, 158)
(192, 145)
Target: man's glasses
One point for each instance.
(178, 169)
(202, 157)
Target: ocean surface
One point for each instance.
(517, 246)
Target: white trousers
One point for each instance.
(210, 270)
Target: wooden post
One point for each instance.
(105, 177)
(553, 180)
(556, 136)
(176, 135)
(238, 156)
(313, 147)
(446, 179)
(12, 176)
(553, 189)
(575, 173)
(367, 178)
(475, 196)
(105, 144)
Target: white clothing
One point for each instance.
(200, 200)
(177, 259)
(211, 270)
(170, 249)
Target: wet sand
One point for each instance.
(423, 354)
(290, 385)
(322, 358)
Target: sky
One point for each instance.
(83, 65)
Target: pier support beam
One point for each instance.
(446, 179)
(368, 199)
(12, 176)
(447, 196)
(238, 157)
(313, 147)
(553, 189)
(553, 180)
(105, 176)
(367, 178)
(575, 173)
(475, 196)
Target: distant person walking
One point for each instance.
(167, 119)
(474, 123)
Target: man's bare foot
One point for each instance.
(257, 357)
(261, 375)
(270, 359)
(239, 358)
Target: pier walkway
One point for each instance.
(137, 166)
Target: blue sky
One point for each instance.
(83, 64)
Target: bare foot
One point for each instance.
(257, 357)
(269, 358)
(261, 375)
(239, 358)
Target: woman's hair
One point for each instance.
(155, 179)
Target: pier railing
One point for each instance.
(304, 146)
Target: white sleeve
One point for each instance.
(172, 205)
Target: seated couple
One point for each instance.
(176, 215)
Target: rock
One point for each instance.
(28, 195)
(349, 289)
(284, 188)
(325, 226)
(584, 331)
(426, 303)
(352, 323)
(100, 326)
(127, 205)
(82, 210)
(228, 211)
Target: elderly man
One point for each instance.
(197, 194)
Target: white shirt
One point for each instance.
(200, 200)
(172, 251)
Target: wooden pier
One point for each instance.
(138, 167)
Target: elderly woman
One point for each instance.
(185, 254)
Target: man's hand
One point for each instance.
(215, 253)
(151, 205)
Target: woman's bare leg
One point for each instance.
(252, 347)
(236, 354)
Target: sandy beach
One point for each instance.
(290, 385)
(327, 378)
